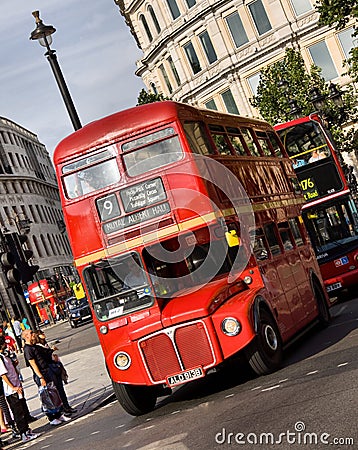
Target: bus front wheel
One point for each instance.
(135, 400)
(324, 316)
(264, 353)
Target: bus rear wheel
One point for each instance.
(135, 400)
(264, 354)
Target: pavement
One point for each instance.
(89, 387)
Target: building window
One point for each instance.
(254, 82)
(301, 6)
(166, 78)
(154, 19)
(192, 57)
(211, 105)
(146, 28)
(173, 8)
(190, 3)
(259, 16)
(322, 58)
(346, 39)
(174, 70)
(237, 30)
(208, 47)
(229, 101)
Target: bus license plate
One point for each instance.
(333, 287)
(183, 377)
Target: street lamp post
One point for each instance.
(43, 33)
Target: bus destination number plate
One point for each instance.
(183, 377)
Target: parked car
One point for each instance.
(78, 311)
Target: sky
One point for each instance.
(97, 55)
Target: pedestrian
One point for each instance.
(40, 361)
(41, 341)
(10, 342)
(18, 330)
(14, 394)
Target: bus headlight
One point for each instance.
(248, 279)
(122, 361)
(103, 329)
(230, 326)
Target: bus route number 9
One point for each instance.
(108, 207)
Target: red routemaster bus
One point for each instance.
(330, 212)
(186, 229)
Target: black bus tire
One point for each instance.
(135, 400)
(324, 316)
(264, 353)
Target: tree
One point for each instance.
(147, 97)
(338, 13)
(288, 81)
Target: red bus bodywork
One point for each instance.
(166, 333)
(330, 212)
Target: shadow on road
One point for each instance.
(344, 321)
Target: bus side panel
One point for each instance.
(83, 229)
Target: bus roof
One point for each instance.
(291, 123)
(109, 129)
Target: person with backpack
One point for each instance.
(14, 394)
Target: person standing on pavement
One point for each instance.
(18, 330)
(40, 359)
(14, 394)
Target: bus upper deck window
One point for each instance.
(236, 140)
(149, 153)
(249, 140)
(91, 178)
(198, 139)
(264, 143)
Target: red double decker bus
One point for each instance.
(186, 231)
(330, 212)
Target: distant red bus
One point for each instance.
(42, 296)
(186, 230)
(330, 213)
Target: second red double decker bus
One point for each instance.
(186, 230)
(330, 212)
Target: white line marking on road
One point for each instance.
(69, 439)
(45, 446)
(282, 381)
(176, 412)
(120, 426)
(255, 388)
(311, 373)
(229, 395)
(342, 364)
(95, 432)
(148, 427)
(270, 388)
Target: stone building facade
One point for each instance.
(30, 203)
(209, 53)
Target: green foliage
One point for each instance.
(273, 98)
(338, 13)
(147, 97)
